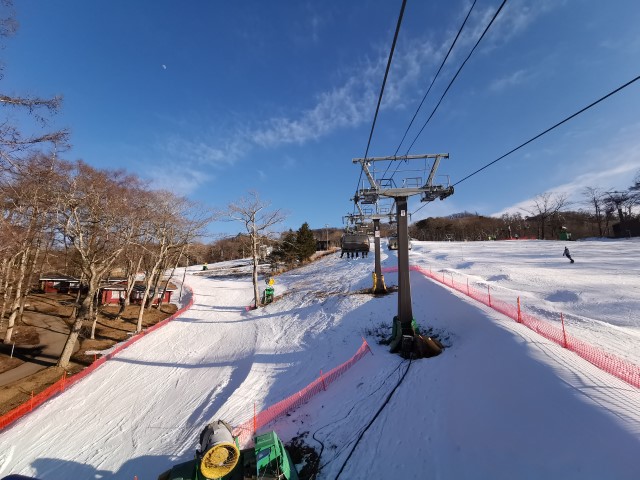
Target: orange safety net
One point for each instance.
(247, 430)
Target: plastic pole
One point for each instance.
(564, 333)
(324, 387)
(489, 292)
(468, 288)
(367, 345)
(519, 315)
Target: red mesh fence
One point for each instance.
(246, 430)
(39, 398)
(618, 367)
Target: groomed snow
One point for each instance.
(500, 403)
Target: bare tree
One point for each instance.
(95, 218)
(175, 222)
(253, 213)
(546, 206)
(635, 189)
(133, 256)
(594, 197)
(621, 202)
(27, 203)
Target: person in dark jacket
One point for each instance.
(567, 254)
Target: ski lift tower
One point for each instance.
(381, 212)
(386, 187)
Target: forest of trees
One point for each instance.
(551, 216)
(69, 217)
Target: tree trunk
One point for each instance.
(131, 281)
(156, 282)
(16, 302)
(27, 288)
(254, 253)
(166, 284)
(7, 287)
(83, 312)
(148, 282)
(74, 310)
(94, 314)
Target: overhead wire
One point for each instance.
(495, 15)
(544, 132)
(486, 29)
(384, 82)
(429, 89)
(435, 77)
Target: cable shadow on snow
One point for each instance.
(265, 358)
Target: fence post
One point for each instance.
(452, 284)
(519, 314)
(489, 292)
(324, 387)
(367, 344)
(564, 333)
(468, 288)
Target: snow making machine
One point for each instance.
(219, 457)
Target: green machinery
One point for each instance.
(267, 296)
(219, 457)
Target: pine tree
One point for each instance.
(287, 250)
(305, 242)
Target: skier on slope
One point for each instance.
(567, 254)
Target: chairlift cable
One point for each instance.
(593, 104)
(384, 81)
(582, 110)
(435, 77)
(495, 15)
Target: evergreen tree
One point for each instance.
(305, 242)
(287, 250)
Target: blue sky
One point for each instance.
(212, 99)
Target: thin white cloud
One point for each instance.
(516, 78)
(179, 179)
(345, 106)
(609, 168)
(200, 151)
(352, 103)
(518, 15)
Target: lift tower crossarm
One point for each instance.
(429, 192)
